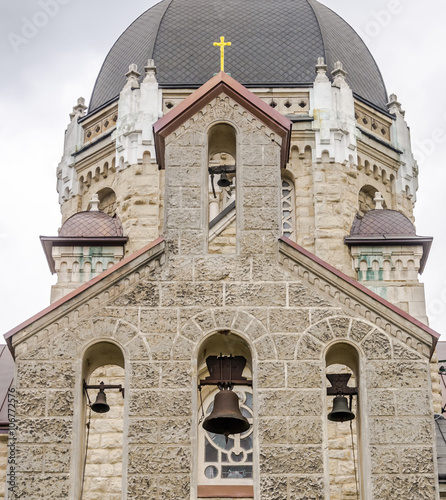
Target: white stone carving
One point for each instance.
(139, 107)
(332, 107)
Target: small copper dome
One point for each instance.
(382, 222)
(92, 224)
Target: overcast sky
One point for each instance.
(49, 60)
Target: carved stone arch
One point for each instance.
(214, 320)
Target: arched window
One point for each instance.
(225, 466)
(107, 201)
(222, 189)
(288, 208)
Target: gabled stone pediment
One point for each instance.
(357, 299)
(160, 306)
(222, 83)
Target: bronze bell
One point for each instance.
(100, 405)
(226, 417)
(340, 412)
(224, 182)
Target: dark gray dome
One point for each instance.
(274, 44)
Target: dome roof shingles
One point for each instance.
(273, 44)
(92, 224)
(382, 223)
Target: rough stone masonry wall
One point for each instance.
(3, 463)
(161, 314)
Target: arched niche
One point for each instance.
(107, 201)
(103, 436)
(225, 468)
(222, 154)
(344, 443)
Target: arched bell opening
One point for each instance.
(225, 462)
(343, 422)
(102, 420)
(222, 154)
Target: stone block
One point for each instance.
(409, 487)
(143, 293)
(222, 268)
(160, 345)
(321, 331)
(57, 459)
(261, 197)
(270, 375)
(397, 374)
(174, 487)
(143, 430)
(29, 458)
(60, 403)
(418, 460)
(319, 314)
(273, 487)
(138, 349)
(159, 459)
(265, 348)
(125, 332)
(192, 294)
(30, 403)
(304, 375)
(305, 430)
(381, 403)
(385, 459)
(306, 488)
(359, 330)
(260, 219)
(44, 430)
(293, 459)
(152, 403)
(252, 155)
(286, 345)
(301, 296)
(413, 402)
(142, 487)
(401, 430)
(277, 403)
(377, 346)
(145, 375)
(175, 431)
(273, 430)
(308, 348)
(255, 330)
(192, 242)
(178, 156)
(255, 294)
(176, 374)
(189, 176)
(37, 486)
(159, 320)
(183, 218)
(288, 320)
(190, 197)
(340, 326)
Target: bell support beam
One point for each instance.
(339, 385)
(103, 387)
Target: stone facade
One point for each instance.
(3, 463)
(288, 313)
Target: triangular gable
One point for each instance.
(106, 279)
(359, 293)
(222, 83)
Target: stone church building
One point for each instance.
(247, 231)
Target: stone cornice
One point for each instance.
(354, 296)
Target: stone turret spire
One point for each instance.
(150, 70)
(339, 75)
(394, 106)
(79, 109)
(133, 77)
(321, 70)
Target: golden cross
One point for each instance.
(222, 46)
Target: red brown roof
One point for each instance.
(222, 83)
(91, 224)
